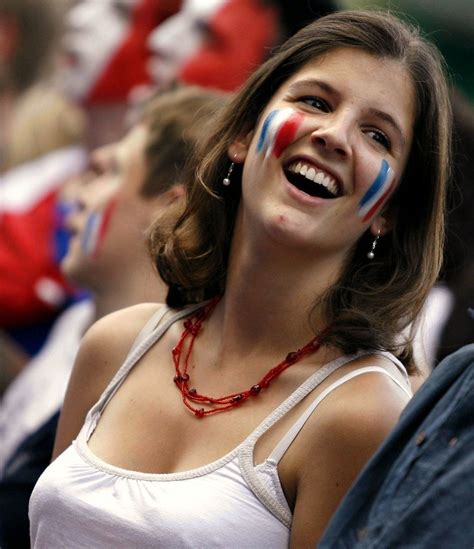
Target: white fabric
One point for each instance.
(436, 311)
(23, 187)
(38, 390)
(81, 501)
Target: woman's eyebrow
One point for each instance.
(382, 115)
(313, 82)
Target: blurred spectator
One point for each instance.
(105, 56)
(216, 43)
(34, 118)
(39, 148)
(129, 184)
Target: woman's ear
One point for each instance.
(385, 220)
(238, 149)
(381, 225)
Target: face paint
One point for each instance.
(96, 229)
(278, 131)
(378, 192)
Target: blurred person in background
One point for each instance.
(34, 117)
(101, 57)
(40, 147)
(104, 56)
(128, 184)
(216, 44)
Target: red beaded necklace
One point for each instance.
(192, 327)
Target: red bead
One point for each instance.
(193, 326)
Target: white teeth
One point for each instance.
(313, 174)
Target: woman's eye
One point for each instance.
(380, 137)
(316, 102)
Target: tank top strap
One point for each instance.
(246, 450)
(152, 331)
(150, 325)
(281, 448)
(301, 392)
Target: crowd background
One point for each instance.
(93, 61)
(73, 75)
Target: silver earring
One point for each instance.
(226, 180)
(371, 254)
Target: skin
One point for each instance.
(115, 265)
(292, 247)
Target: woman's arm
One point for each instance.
(102, 352)
(349, 426)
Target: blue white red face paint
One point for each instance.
(96, 228)
(278, 131)
(378, 192)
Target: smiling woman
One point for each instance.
(383, 92)
(256, 409)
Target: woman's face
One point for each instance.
(329, 150)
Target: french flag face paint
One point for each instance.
(96, 229)
(378, 192)
(278, 131)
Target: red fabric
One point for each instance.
(245, 29)
(26, 257)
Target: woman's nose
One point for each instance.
(333, 135)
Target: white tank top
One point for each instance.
(82, 502)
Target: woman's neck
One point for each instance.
(270, 295)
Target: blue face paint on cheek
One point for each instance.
(265, 130)
(378, 192)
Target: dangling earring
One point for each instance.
(371, 254)
(226, 180)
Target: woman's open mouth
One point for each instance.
(312, 181)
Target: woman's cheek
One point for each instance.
(96, 229)
(378, 192)
(278, 131)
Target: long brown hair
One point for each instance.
(371, 304)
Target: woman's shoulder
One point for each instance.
(115, 333)
(364, 405)
(103, 350)
(125, 322)
(341, 436)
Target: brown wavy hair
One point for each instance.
(371, 305)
